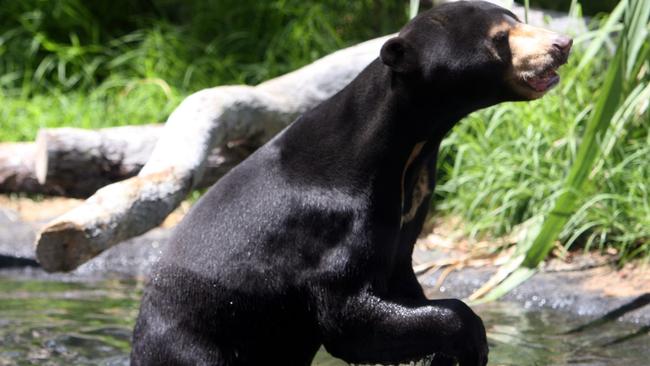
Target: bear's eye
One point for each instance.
(500, 37)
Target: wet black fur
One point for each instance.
(302, 244)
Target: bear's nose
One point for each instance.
(563, 44)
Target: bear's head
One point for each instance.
(478, 51)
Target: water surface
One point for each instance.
(90, 323)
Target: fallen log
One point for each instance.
(17, 170)
(78, 162)
(204, 120)
(85, 160)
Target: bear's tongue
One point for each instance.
(544, 81)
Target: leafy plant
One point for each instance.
(626, 79)
(105, 62)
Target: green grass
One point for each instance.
(624, 92)
(103, 63)
(574, 163)
(20, 118)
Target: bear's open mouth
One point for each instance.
(544, 80)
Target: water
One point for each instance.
(73, 323)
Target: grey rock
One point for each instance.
(130, 259)
(16, 237)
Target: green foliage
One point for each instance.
(136, 103)
(626, 87)
(190, 44)
(94, 63)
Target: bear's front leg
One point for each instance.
(367, 329)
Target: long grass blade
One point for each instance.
(603, 35)
(587, 154)
(526, 8)
(414, 6)
(516, 278)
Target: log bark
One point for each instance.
(204, 120)
(85, 160)
(78, 162)
(16, 168)
(17, 173)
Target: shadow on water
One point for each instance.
(72, 323)
(611, 316)
(519, 336)
(637, 303)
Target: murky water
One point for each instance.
(71, 323)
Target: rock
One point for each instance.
(16, 237)
(130, 259)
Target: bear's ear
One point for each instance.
(399, 55)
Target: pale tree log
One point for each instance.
(17, 170)
(14, 171)
(77, 162)
(85, 160)
(205, 120)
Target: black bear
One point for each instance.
(309, 241)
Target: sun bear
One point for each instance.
(308, 242)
